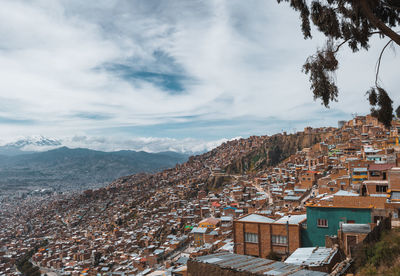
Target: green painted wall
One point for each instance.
(315, 236)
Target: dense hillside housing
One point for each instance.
(336, 187)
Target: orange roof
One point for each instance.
(216, 204)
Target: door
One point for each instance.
(351, 241)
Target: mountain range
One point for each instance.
(74, 169)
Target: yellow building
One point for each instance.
(209, 223)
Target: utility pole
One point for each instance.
(287, 236)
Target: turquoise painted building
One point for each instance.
(323, 221)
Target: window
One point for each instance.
(322, 223)
(375, 173)
(279, 239)
(381, 188)
(251, 237)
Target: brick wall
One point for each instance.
(264, 231)
(394, 179)
(359, 202)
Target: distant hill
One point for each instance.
(75, 169)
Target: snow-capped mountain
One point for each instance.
(39, 143)
(29, 144)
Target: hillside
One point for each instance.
(156, 208)
(272, 151)
(76, 169)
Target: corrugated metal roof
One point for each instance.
(311, 256)
(198, 230)
(256, 266)
(356, 228)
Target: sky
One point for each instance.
(168, 75)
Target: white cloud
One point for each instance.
(237, 58)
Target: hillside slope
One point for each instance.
(272, 151)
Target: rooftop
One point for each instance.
(198, 230)
(345, 193)
(293, 219)
(312, 256)
(253, 265)
(256, 218)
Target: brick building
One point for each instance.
(258, 235)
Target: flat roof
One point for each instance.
(345, 193)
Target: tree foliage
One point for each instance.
(381, 105)
(351, 22)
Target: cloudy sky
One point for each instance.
(167, 74)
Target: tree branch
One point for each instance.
(367, 11)
(392, 4)
(379, 62)
(344, 41)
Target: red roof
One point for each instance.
(216, 204)
(381, 167)
(312, 171)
